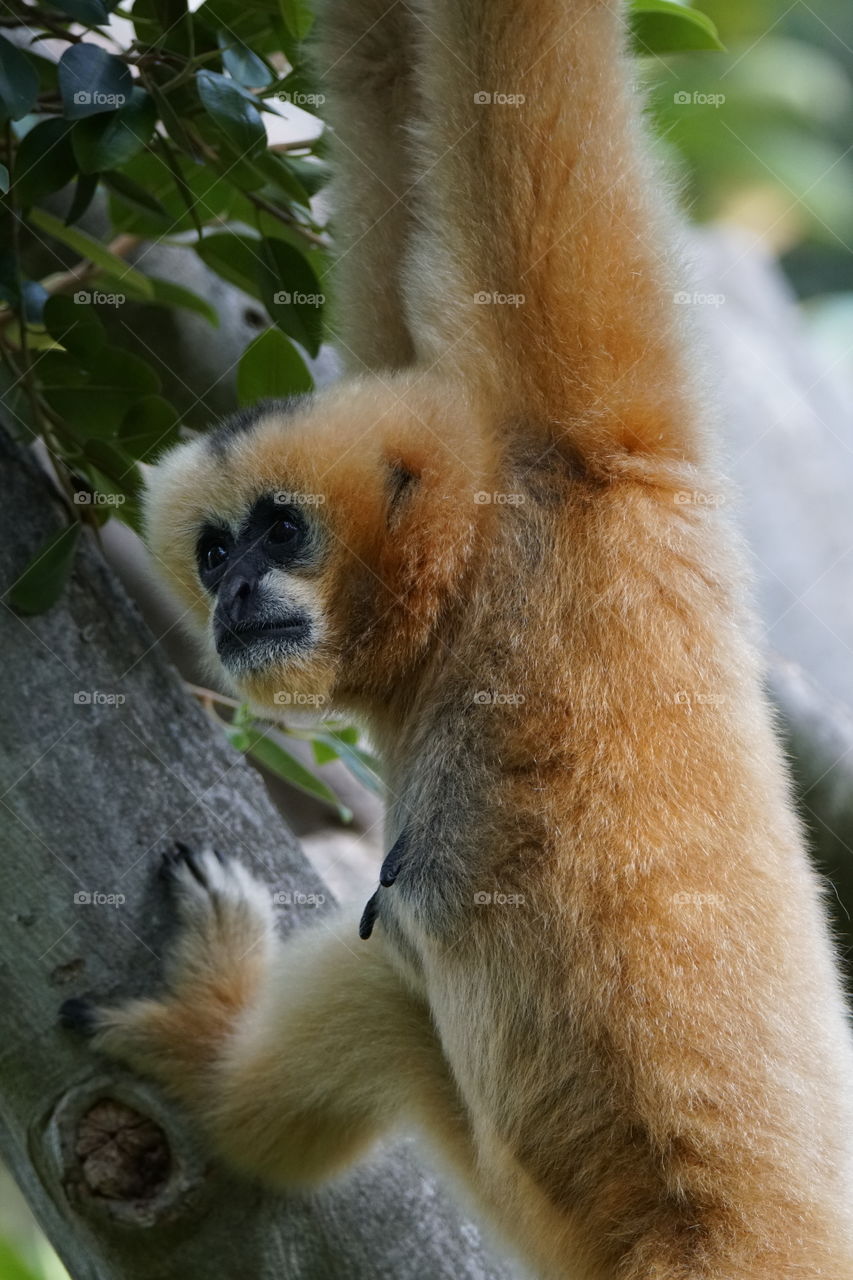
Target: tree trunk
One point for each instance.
(105, 761)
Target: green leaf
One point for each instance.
(92, 13)
(118, 370)
(187, 197)
(109, 140)
(92, 81)
(242, 172)
(210, 194)
(232, 111)
(311, 172)
(169, 294)
(149, 426)
(235, 258)
(291, 293)
(241, 63)
(348, 733)
(277, 172)
(134, 193)
(93, 395)
(45, 161)
(256, 25)
(267, 752)
(11, 1266)
(662, 26)
(16, 411)
(166, 24)
(323, 751)
(117, 475)
(360, 763)
(298, 17)
(60, 371)
(84, 194)
(41, 583)
(244, 717)
(75, 325)
(88, 247)
(19, 82)
(47, 70)
(271, 367)
(173, 123)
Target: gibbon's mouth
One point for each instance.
(254, 643)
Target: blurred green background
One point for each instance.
(760, 137)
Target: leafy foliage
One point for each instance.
(162, 117)
(262, 739)
(761, 131)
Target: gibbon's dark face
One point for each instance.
(313, 545)
(258, 618)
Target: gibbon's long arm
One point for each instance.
(295, 1055)
(543, 267)
(364, 61)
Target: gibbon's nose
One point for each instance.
(237, 598)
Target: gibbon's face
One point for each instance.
(314, 544)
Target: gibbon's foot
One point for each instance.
(213, 970)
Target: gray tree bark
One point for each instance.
(105, 760)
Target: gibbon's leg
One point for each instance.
(364, 61)
(292, 1055)
(541, 199)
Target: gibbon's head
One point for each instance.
(317, 544)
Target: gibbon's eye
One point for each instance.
(284, 530)
(285, 533)
(214, 556)
(213, 551)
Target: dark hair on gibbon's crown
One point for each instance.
(238, 424)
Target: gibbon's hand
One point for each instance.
(227, 929)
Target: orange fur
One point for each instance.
(638, 1051)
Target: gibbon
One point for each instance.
(597, 972)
